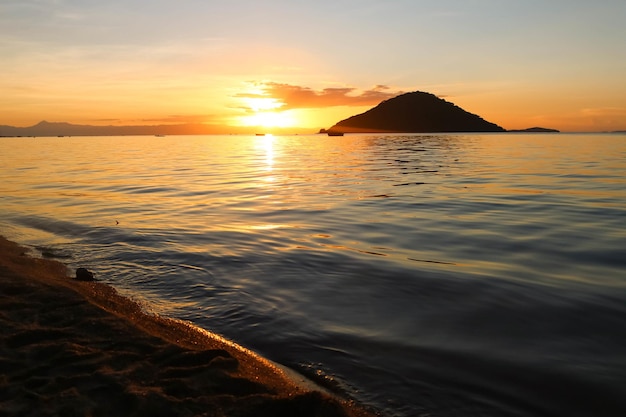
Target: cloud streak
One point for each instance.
(299, 97)
(182, 118)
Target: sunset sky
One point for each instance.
(309, 64)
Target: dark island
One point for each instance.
(534, 130)
(416, 112)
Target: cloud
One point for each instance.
(605, 118)
(106, 120)
(179, 118)
(604, 111)
(298, 97)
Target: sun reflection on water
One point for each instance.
(268, 142)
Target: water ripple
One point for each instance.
(422, 274)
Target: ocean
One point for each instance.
(421, 275)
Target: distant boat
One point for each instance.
(331, 133)
(260, 134)
(160, 136)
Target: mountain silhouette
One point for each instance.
(535, 129)
(45, 128)
(415, 112)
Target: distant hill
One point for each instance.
(535, 130)
(67, 129)
(415, 112)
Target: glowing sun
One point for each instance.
(265, 113)
(269, 119)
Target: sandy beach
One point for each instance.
(77, 348)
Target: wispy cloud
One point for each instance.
(298, 97)
(181, 118)
(604, 111)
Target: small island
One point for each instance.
(534, 130)
(416, 112)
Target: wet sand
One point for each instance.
(76, 348)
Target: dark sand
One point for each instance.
(75, 348)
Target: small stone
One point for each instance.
(83, 274)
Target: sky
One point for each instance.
(302, 64)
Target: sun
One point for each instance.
(261, 103)
(265, 111)
(269, 119)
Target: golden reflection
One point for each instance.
(268, 145)
(266, 226)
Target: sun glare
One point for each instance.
(264, 111)
(262, 103)
(270, 119)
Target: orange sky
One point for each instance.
(274, 64)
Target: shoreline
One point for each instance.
(79, 348)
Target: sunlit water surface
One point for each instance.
(441, 275)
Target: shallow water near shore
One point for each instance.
(464, 274)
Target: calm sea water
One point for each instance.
(439, 275)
